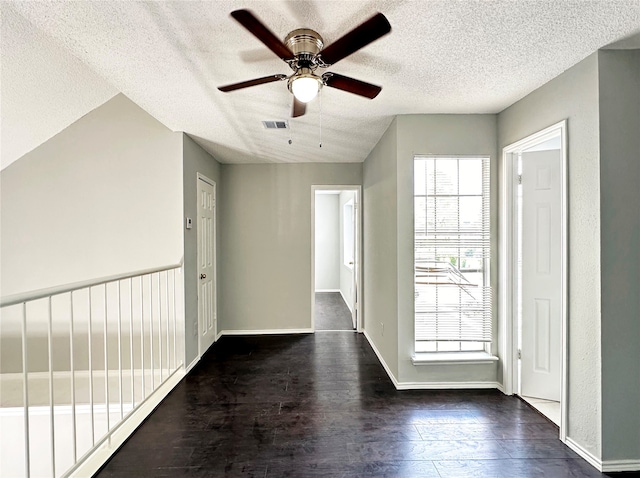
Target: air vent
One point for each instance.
(275, 124)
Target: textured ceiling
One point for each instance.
(442, 56)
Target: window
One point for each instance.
(452, 247)
(347, 227)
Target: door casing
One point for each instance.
(508, 262)
(202, 348)
(358, 245)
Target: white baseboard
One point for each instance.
(192, 364)
(327, 290)
(586, 455)
(267, 332)
(429, 385)
(609, 466)
(92, 463)
(384, 364)
(445, 385)
(346, 301)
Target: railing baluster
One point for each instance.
(51, 397)
(73, 381)
(106, 361)
(120, 350)
(153, 373)
(166, 285)
(133, 395)
(144, 390)
(159, 328)
(164, 309)
(175, 354)
(25, 392)
(93, 427)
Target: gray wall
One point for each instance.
(619, 79)
(265, 230)
(379, 237)
(195, 160)
(327, 231)
(102, 197)
(438, 135)
(388, 236)
(574, 96)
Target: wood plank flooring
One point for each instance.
(331, 313)
(322, 405)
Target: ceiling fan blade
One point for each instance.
(351, 85)
(247, 84)
(362, 35)
(262, 33)
(298, 109)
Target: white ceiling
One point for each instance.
(442, 56)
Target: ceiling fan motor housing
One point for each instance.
(304, 42)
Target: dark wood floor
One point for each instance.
(322, 405)
(331, 313)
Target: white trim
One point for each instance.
(193, 363)
(620, 465)
(212, 183)
(328, 290)
(85, 284)
(506, 291)
(428, 385)
(267, 332)
(346, 301)
(384, 364)
(445, 385)
(92, 463)
(586, 455)
(358, 204)
(219, 335)
(453, 358)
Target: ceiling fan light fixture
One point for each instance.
(305, 87)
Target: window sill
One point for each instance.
(453, 358)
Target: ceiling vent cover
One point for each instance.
(275, 124)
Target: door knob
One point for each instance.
(203, 276)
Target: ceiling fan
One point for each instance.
(303, 50)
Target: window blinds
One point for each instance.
(452, 249)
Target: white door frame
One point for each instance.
(358, 258)
(508, 263)
(202, 177)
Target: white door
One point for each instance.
(541, 361)
(356, 265)
(207, 310)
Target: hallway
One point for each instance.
(322, 405)
(331, 312)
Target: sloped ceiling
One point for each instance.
(442, 56)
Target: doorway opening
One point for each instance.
(534, 272)
(335, 271)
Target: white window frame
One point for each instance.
(481, 354)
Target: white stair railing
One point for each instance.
(77, 361)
